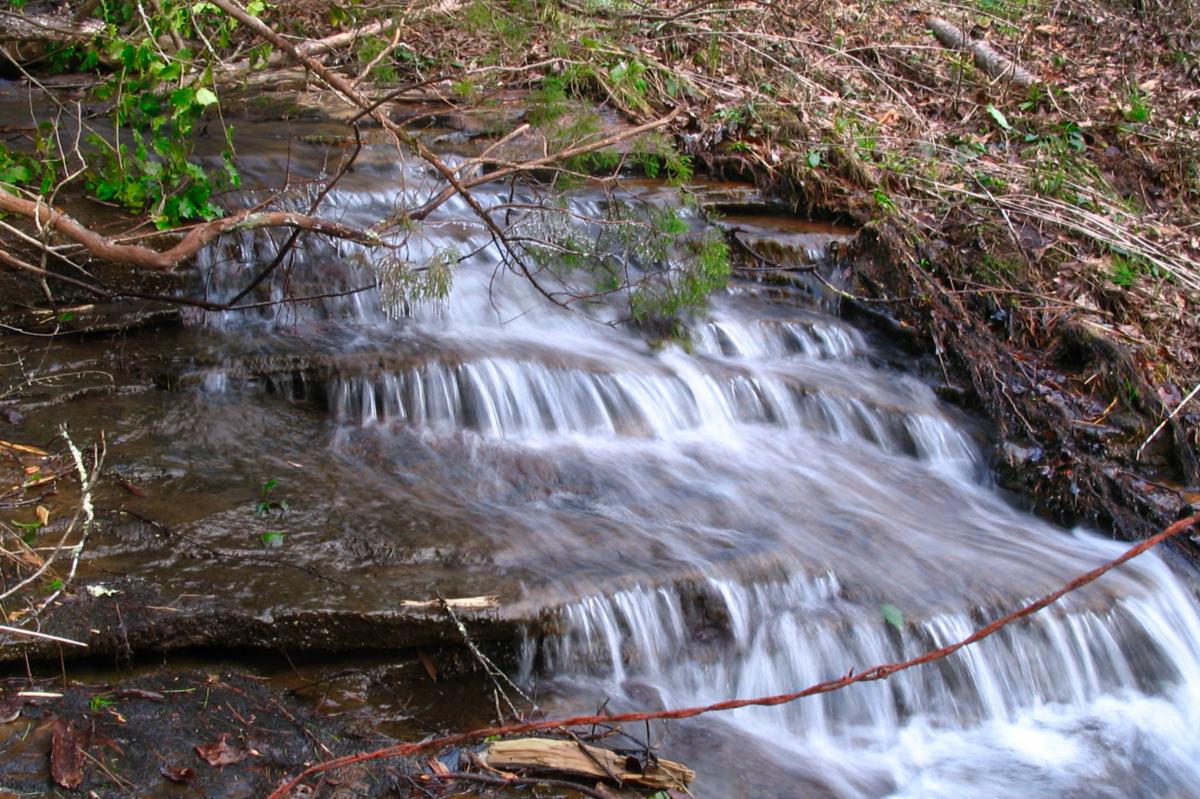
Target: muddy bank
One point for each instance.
(1072, 410)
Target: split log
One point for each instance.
(20, 26)
(26, 37)
(996, 65)
(569, 757)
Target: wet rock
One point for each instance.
(156, 734)
(129, 616)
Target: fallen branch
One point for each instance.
(996, 66)
(880, 672)
(165, 260)
(26, 27)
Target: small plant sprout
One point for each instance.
(265, 503)
(100, 702)
(272, 539)
(892, 615)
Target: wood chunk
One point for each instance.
(463, 603)
(569, 757)
(66, 755)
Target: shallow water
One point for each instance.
(676, 525)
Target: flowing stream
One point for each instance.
(693, 523)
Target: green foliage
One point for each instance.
(401, 283)
(1135, 108)
(996, 270)
(684, 287)
(100, 702)
(371, 48)
(998, 117)
(1124, 272)
(37, 172)
(155, 62)
(511, 22)
(272, 539)
(892, 615)
(265, 503)
(657, 155)
(1127, 270)
(157, 99)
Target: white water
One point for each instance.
(726, 522)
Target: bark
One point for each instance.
(996, 65)
(166, 260)
(24, 27)
(570, 757)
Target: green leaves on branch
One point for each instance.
(157, 61)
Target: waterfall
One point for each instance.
(724, 517)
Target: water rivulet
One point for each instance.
(725, 519)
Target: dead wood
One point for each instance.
(197, 237)
(570, 757)
(27, 27)
(996, 65)
(311, 47)
(66, 755)
(462, 603)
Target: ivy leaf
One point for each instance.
(205, 96)
(15, 174)
(814, 159)
(998, 115)
(170, 71)
(892, 615)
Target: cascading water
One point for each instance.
(726, 520)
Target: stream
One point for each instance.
(665, 526)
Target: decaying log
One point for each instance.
(19, 26)
(996, 65)
(568, 757)
(26, 37)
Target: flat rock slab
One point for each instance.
(133, 617)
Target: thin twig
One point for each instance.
(1165, 422)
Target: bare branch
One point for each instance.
(166, 260)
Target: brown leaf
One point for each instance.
(66, 755)
(177, 773)
(428, 664)
(220, 753)
(43, 515)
